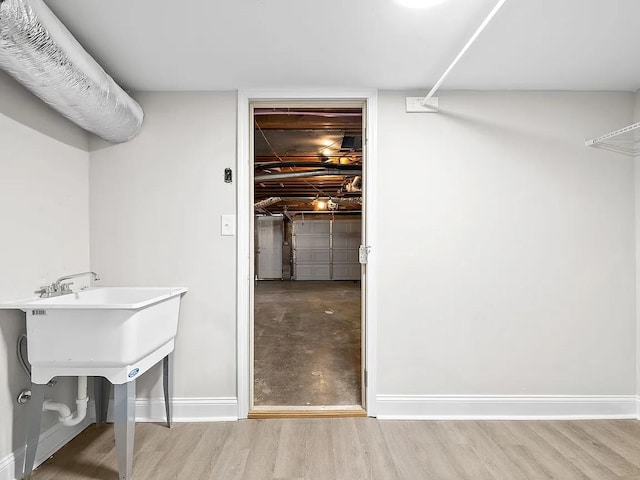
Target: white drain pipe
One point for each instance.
(64, 412)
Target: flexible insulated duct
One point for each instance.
(325, 172)
(38, 51)
(267, 202)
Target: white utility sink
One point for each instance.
(113, 332)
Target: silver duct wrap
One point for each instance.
(38, 51)
(267, 202)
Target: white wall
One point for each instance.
(156, 203)
(21, 105)
(506, 247)
(44, 213)
(518, 278)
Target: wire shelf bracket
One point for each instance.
(629, 147)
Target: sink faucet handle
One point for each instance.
(65, 287)
(46, 290)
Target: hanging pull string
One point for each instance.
(268, 142)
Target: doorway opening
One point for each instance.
(308, 318)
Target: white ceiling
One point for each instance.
(229, 44)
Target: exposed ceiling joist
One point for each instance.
(306, 154)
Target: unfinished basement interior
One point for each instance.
(308, 178)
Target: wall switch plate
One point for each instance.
(227, 225)
(414, 105)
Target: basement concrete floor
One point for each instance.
(307, 343)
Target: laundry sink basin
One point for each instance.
(113, 332)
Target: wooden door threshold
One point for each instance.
(337, 411)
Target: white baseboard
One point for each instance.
(50, 442)
(215, 409)
(507, 407)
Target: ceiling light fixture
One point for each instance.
(419, 3)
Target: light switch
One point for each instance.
(227, 225)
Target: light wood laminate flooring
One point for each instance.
(360, 448)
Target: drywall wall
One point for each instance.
(156, 203)
(21, 105)
(517, 278)
(506, 247)
(44, 212)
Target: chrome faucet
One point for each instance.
(58, 288)
(76, 275)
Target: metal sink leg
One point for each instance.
(101, 394)
(34, 415)
(125, 422)
(166, 382)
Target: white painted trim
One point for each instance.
(50, 442)
(244, 208)
(371, 269)
(638, 407)
(216, 409)
(307, 408)
(7, 467)
(243, 173)
(506, 407)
